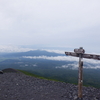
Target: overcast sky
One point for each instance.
(52, 23)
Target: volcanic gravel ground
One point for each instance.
(17, 86)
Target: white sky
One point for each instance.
(57, 23)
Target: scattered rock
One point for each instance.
(1, 72)
(17, 86)
(75, 97)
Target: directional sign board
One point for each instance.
(88, 56)
(91, 56)
(81, 54)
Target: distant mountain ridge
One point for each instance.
(33, 53)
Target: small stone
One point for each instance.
(17, 84)
(32, 99)
(96, 98)
(75, 97)
(6, 96)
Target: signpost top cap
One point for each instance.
(79, 51)
(81, 48)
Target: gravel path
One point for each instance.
(17, 86)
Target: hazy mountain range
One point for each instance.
(52, 65)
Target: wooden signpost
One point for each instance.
(81, 54)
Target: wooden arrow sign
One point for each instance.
(88, 56)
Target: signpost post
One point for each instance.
(81, 54)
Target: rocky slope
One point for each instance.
(17, 86)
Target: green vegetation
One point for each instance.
(71, 76)
(37, 76)
(90, 77)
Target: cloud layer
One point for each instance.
(88, 64)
